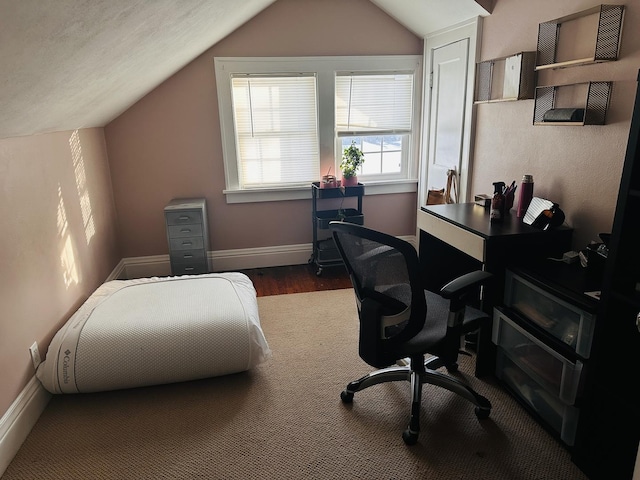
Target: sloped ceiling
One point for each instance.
(68, 64)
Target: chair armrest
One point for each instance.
(460, 286)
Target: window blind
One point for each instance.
(368, 103)
(276, 129)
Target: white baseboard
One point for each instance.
(223, 260)
(18, 421)
(262, 257)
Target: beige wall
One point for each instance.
(168, 145)
(58, 241)
(578, 167)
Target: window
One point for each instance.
(275, 120)
(284, 122)
(375, 111)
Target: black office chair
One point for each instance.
(400, 322)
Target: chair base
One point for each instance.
(424, 373)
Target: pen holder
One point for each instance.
(508, 201)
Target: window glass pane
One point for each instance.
(276, 130)
(372, 164)
(392, 162)
(382, 153)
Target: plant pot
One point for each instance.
(350, 181)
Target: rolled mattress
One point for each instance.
(149, 331)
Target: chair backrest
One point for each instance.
(385, 274)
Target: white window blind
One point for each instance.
(374, 103)
(276, 130)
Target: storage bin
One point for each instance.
(327, 250)
(564, 321)
(351, 215)
(557, 374)
(556, 414)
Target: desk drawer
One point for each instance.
(567, 322)
(558, 375)
(558, 415)
(183, 217)
(465, 241)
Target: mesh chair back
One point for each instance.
(385, 275)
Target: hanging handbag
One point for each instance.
(448, 195)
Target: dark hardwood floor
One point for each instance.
(297, 279)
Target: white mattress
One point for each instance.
(148, 331)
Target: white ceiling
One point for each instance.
(68, 64)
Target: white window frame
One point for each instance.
(406, 149)
(325, 69)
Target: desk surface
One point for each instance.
(475, 219)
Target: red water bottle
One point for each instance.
(526, 194)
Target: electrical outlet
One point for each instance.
(35, 354)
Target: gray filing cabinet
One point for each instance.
(188, 235)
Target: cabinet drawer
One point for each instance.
(183, 217)
(187, 256)
(186, 243)
(180, 231)
(558, 415)
(188, 269)
(558, 375)
(564, 321)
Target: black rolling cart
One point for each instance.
(325, 253)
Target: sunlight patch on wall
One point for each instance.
(67, 256)
(81, 185)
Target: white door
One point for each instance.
(450, 58)
(447, 114)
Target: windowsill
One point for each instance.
(302, 193)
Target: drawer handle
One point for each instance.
(184, 217)
(187, 243)
(187, 256)
(185, 230)
(188, 269)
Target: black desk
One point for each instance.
(459, 238)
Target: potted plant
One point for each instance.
(352, 158)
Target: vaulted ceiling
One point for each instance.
(68, 64)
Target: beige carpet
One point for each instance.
(285, 420)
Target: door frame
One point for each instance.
(471, 29)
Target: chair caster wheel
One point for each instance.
(452, 368)
(346, 397)
(409, 437)
(482, 413)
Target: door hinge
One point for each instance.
(431, 80)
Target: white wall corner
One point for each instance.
(18, 421)
(118, 272)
